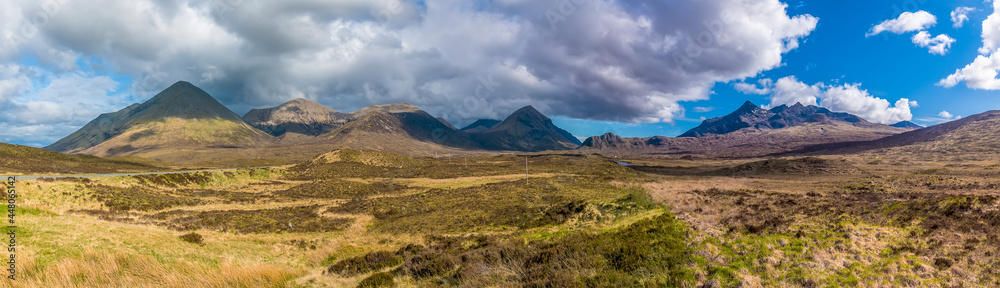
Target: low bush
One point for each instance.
(377, 280)
(373, 261)
(193, 238)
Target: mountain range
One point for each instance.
(751, 116)
(752, 131)
(183, 122)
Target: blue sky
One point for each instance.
(888, 65)
(595, 67)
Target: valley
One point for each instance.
(350, 218)
(301, 195)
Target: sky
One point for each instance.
(636, 68)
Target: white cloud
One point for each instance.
(604, 60)
(991, 31)
(789, 91)
(937, 45)
(704, 109)
(982, 72)
(960, 15)
(943, 117)
(848, 98)
(906, 22)
(49, 104)
(747, 88)
(43, 112)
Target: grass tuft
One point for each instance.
(193, 238)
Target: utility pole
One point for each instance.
(466, 163)
(525, 170)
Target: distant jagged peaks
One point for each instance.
(751, 116)
(747, 116)
(748, 108)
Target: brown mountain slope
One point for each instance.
(481, 125)
(296, 118)
(412, 133)
(975, 137)
(17, 159)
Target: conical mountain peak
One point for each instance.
(748, 107)
(527, 130)
(183, 100)
(528, 112)
(182, 115)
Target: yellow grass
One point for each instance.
(459, 182)
(107, 268)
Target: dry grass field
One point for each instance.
(376, 219)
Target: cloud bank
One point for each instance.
(960, 15)
(848, 98)
(982, 72)
(906, 22)
(935, 45)
(920, 21)
(587, 59)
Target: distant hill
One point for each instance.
(973, 138)
(481, 125)
(389, 128)
(751, 116)
(17, 159)
(525, 130)
(907, 124)
(181, 118)
(609, 141)
(300, 117)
